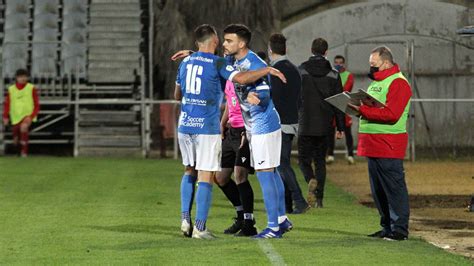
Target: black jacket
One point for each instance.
(286, 96)
(320, 81)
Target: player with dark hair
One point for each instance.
(199, 89)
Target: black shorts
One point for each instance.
(232, 153)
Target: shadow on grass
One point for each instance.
(327, 230)
(163, 230)
(176, 241)
(229, 206)
(139, 228)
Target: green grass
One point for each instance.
(118, 211)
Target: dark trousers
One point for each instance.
(312, 149)
(389, 190)
(292, 188)
(349, 141)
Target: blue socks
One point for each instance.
(281, 194)
(187, 194)
(270, 197)
(203, 203)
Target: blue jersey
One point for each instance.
(262, 118)
(199, 76)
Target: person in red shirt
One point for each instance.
(347, 80)
(383, 139)
(21, 108)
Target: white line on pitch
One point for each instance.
(270, 252)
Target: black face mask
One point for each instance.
(372, 71)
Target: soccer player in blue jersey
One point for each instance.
(263, 125)
(198, 87)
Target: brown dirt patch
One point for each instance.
(439, 193)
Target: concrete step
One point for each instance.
(110, 130)
(115, 51)
(119, 75)
(116, 28)
(116, 14)
(105, 88)
(121, 57)
(114, 21)
(113, 64)
(109, 141)
(115, 1)
(108, 118)
(110, 151)
(115, 42)
(99, 7)
(114, 35)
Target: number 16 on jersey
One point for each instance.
(193, 81)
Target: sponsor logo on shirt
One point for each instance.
(375, 89)
(203, 59)
(189, 121)
(193, 101)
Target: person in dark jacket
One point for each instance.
(286, 97)
(319, 81)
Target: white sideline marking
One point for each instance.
(270, 252)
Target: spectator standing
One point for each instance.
(347, 80)
(286, 97)
(319, 81)
(383, 140)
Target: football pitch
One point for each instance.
(126, 211)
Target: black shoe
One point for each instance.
(235, 227)
(395, 236)
(379, 234)
(319, 203)
(301, 210)
(248, 229)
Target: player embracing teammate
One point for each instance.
(198, 86)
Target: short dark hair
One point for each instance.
(384, 52)
(241, 31)
(204, 32)
(278, 43)
(319, 46)
(340, 57)
(22, 72)
(262, 55)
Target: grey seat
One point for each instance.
(46, 6)
(14, 35)
(74, 37)
(16, 6)
(44, 67)
(10, 66)
(16, 21)
(75, 20)
(46, 20)
(15, 38)
(74, 6)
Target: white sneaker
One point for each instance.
(329, 159)
(350, 160)
(186, 228)
(202, 234)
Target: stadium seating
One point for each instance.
(91, 48)
(45, 37)
(114, 40)
(74, 37)
(16, 29)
